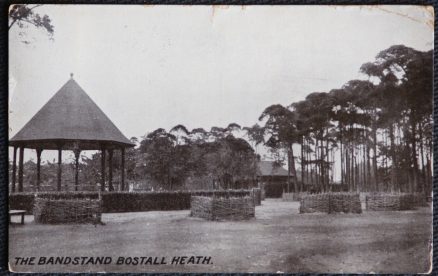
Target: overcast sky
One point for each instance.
(159, 66)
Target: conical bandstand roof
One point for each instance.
(72, 120)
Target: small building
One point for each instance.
(272, 178)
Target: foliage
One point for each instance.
(379, 127)
(224, 160)
(22, 15)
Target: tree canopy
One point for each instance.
(24, 15)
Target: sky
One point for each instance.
(150, 67)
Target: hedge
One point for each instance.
(114, 202)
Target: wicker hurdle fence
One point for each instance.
(80, 210)
(222, 208)
(331, 203)
(392, 202)
(420, 200)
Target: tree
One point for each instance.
(158, 147)
(217, 133)
(198, 135)
(227, 162)
(232, 127)
(313, 121)
(181, 133)
(282, 130)
(404, 93)
(231, 162)
(380, 127)
(24, 15)
(255, 134)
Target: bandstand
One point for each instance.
(70, 121)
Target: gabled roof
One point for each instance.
(268, 168)
(70, 116)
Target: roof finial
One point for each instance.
(71, 75)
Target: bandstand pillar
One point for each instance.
(77, 153)
(38, 152)
(59, 168)
(110, 170)
(14, 170)
(102, 185)
(123, 170)
(20, 169)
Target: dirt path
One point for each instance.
(279, 239)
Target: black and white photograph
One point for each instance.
(220, 139)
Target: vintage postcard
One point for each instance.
(263, 139)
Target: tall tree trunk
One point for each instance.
(316, 166)
(353, 168)
(288, 170)
(423, 169)
(321, 164)
(386, 159)
(364, 168)
(293, 168)
(376, 175)
(409, 179)
(414, 155)
(347, 168)
(356, 173)
(307, 165)
(393, 157)
(370, 186)
(327, 165)
(342, 157)
(312, 180)
(302, 164)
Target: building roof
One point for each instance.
(268, 168)
(73, 119)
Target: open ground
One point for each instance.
(278, 239)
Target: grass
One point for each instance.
(278, 239)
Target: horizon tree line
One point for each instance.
(377, 131)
